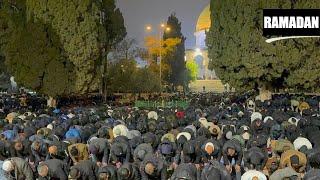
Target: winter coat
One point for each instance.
(238, 154)
(283, 173)
(120, 152)
(285, 159)
(186, 171)
(22, 169)
(88, 170)
(57, 169)
(255, 157)
(160, 169)
(134, 172)
(215, 168)
(83, 152)
(111, 170)
(103, 149)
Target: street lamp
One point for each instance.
(162, 27)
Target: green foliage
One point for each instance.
(241, 57)
(4, 76)
(175, 60)
(192, 68)
(124, 76)
(77, 26)
(115, 31)
(37, 65)
(57, 47)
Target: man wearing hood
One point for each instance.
(257, 125)
(215, 170)
(120, 153)
(99, 149)
(293, 159)
(232, 150)
(128, 172)
(108, 172)
(255, 158)
(153, 168)
(141, 151)
(78, 152)
(186, 171)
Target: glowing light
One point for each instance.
(148, 28)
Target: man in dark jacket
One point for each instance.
(39, 151)
(210, 150)
(140, 152)
(215, 170)
(17, 168)
(85, 170)
(232, 150)
(186, 171)
(53, 168)
(128, 172)
(5, 147)
(167, 150)
(108, 172)
(20, 149)
(255, 158)
(153, 168)
(99, 149)
(120, 153)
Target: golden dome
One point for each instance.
(204, 21)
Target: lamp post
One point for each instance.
(162, 27)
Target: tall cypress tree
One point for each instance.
(241, 57)
(55, 46)
(175, 59)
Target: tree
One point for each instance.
(124, 76)
(4, 75)
(175, 59)
(65, 51)
(241, 57)
(121, 76)
(114, 32)
(192, 68)
(35, 63)
(155, 46)
(126, 49)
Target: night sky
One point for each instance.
(139, 13)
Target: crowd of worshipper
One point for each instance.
(216, 137)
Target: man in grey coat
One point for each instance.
(17, 168)
(53, 168)
(284, 173)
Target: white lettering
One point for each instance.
(292, 22)
(283, 22)
(274, 22)
(315, 22)
(267, 22)
(299, 23)
(307, 22)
